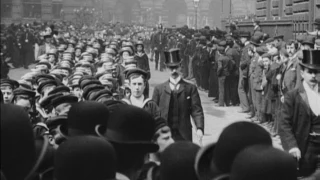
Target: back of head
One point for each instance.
(235, 138)
(83, 158)
(263, 163)
(17, 143)
(177, 161)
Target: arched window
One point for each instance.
(6, 8)
(32, 8)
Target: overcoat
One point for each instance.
(295, 124)
(189, 105)
(291, 77)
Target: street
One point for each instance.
(216, 118)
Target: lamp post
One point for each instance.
(196, 5)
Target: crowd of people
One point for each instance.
(83, 110)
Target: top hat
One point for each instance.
(311, 59)
(172, 57)
(263, 163)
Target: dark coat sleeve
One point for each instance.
(286, 123)
(196, 109)
(154, 109)
(156, 95)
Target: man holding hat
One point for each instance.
(300, 123)
(178, 100)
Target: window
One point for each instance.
(32, 8)
(57, 11)
(6, 9)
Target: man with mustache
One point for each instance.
(300, 123)
(178, 100)
(291, 77)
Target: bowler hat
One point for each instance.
(172, 57)
(263, 163)
(132, 126)
(311, 59)
(179, 166)
(85, 117)
(18, 152)
(215, 159)
(83, 158)
(255, 40)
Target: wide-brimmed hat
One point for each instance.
(172, 57)
(85, 157)
(311, 59)
(131, 126)
(216, 158)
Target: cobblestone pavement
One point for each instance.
(216, 118)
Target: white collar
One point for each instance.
(139, 102)
(308, 88)
(175, 81)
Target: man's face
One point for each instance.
(243, 40)
(125, 55)
(291, 50)
(164, 140)
(48, 40)
(137, 86)
(77, 92)
(139, 48)
(24, 103)
(78, 52)
(7, 93)
(175, 71)
(65, 72)
(310, 76)
(266, 62)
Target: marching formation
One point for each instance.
(85, 110)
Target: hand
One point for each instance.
(282, 99)
(295, 152)
(199, 134)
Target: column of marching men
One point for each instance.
(84, 111)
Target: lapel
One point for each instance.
(290, 63)
(182, 86)
(167, 88)
(303, 95)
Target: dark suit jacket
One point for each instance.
(160, 41)
(189, 105)
(295, 124)
(234, 56)
(245, 61)
(291, 77)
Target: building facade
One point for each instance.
(167, 12)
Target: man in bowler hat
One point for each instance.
(178, 100)
(300, 123)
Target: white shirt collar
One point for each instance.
(313, 98)
(175, 81)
